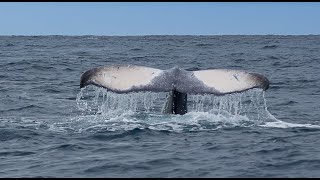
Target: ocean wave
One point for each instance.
(237, 54)
(42, 67)
(136, 49)
(31, 106)
(273, 57)
(10, 45)
(16, 153)
(270, 47)
(204, 45)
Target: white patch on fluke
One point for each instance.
(124, 78)
(226, 81)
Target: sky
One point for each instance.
(159, 18)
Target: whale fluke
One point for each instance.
(133, 78)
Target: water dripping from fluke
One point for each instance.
(99, 106)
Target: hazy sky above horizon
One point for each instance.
(159, 18)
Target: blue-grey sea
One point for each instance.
(49, 127)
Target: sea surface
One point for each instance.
(49, 127)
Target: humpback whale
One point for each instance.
(178, 82)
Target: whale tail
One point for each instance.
(179, 82)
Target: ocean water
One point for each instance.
(49, 127)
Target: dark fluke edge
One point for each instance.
(179, 82)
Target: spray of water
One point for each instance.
(106, 110)
(102, 109)
(103, 102)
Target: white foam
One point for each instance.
(282, 124)
(276, 123)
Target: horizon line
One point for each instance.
(164, 35)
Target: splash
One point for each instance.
(281, 124)
(104, 110)
(100, 110)
(106, 102)
(249, 104)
